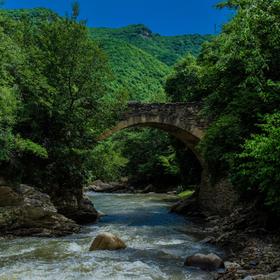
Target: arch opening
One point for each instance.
(187, 139)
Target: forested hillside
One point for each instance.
(133, 72)
(140, 58)
(139, 73)
(167, 49)
(54, 88)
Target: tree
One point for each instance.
(12, 145)
(239, 71)
(257, 166)
(185, 83)
(61, 81)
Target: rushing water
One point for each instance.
(157, 246)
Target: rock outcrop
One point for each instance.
(188, 206)
(25, 211)
(107, 241)
(252, 249)
(208, 262)
(75, 206)
(99, 186)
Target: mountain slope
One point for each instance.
(167, 49)
(140, 59)
(141, 74)
(135, 70)
(36, 14)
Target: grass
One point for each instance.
(185, 194)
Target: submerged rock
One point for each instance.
(107, 241)
(28, 212)
(208, 262)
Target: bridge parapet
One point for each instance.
(182, 120)
(138, 107)
(183, 112)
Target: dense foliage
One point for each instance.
(167, 49)
(257, 167)
(140, 59)
(54, 98)
(237, 78)
(59, 92)
(140, 74)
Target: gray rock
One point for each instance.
(208, 262)
(75, 207)
(271, 276)
(32, 213)
(185, 206)
(8, 197)
(232, 266)
(101, 214)
(99, 186)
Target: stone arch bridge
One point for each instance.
(184, 121)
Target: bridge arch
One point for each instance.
(182, 120)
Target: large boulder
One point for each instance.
(75, 207)
(107, 241)
(86, 212)
(99, 186)
(208, 262)
(28, 212)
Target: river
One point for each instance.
(156, 239)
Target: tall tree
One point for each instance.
(239, 71)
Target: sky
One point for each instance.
(166, 17)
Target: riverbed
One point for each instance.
(156, 239)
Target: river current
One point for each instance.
(156, 239)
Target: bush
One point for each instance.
(257, 167)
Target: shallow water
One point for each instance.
(156, 243)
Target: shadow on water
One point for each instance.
(139, 218)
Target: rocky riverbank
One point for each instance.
(126, 187)
(253, 251)
(25, 211)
